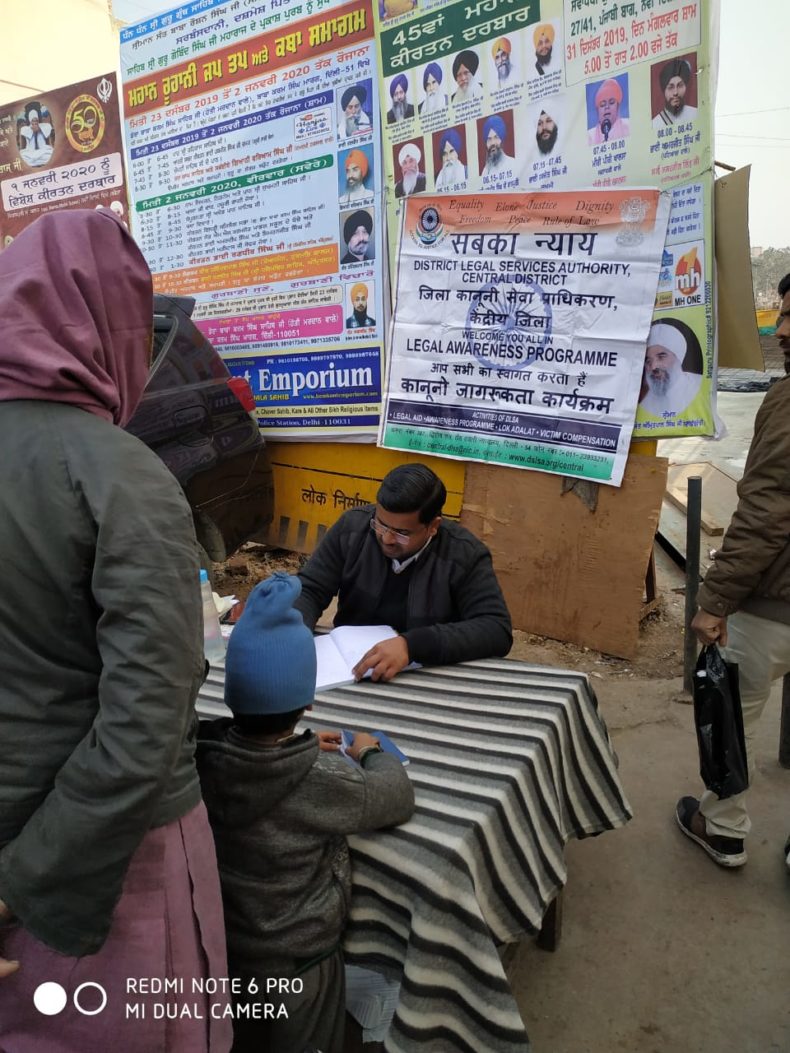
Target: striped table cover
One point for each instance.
(508, 762)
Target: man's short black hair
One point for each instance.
(784, 286)
(266, 723)
(413, 488)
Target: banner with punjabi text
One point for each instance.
(255, 168)
(519, 327)
(61, 149)
(486, 96)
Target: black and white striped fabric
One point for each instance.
(508, 762)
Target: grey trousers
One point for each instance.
(298, 1014)
(761, 648)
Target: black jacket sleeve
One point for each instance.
(321, 576)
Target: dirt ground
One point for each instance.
(660, 654)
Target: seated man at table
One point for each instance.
(280, 804)
(399, 563)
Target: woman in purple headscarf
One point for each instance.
(107, 867)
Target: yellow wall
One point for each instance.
(51, 43)
(315, 482)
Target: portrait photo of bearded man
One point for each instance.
(435, 99)
(673, 368)
(546, 133)
(412, 180)
(358, 175)
(543, 39)
(359, 317)
(496, 140)
(677, 82)
(451, 173)
(353, 118)
(357, 234)
(401, 109)
(465, 66)
(502, 54)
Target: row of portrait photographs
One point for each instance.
(494, 159)
(673, 100)
(441, 84)
(357, 236)
(360, 296)
(355, 110)
(673, 88)
(497, 151)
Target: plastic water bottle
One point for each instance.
(213, 644)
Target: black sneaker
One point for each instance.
(787, 853)
(726, 851)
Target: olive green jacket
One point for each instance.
(751, 571)
(100, 663)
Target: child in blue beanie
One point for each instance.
(280, 808)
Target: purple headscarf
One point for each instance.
(77, 307)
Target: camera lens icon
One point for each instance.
(50, 998)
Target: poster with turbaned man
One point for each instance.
(537, 97)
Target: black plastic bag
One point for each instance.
(719, 723)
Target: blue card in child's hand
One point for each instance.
(389, 746)
(386, 743)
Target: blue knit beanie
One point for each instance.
(270, 664)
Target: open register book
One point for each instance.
(340, 650)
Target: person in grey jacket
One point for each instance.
(107, 866)
(744, 602)
(280, 808)
(399, 563)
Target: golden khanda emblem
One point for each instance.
(85, 123)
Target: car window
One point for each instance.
(182, 356)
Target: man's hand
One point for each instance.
(709, 628)
(329, 741)
(385, 659)
(6, 967)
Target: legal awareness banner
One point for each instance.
(515, 96)
(520, 326)
(61, 149)
(255, 167)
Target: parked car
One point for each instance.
(200, 421)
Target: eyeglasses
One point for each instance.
(401, 536)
